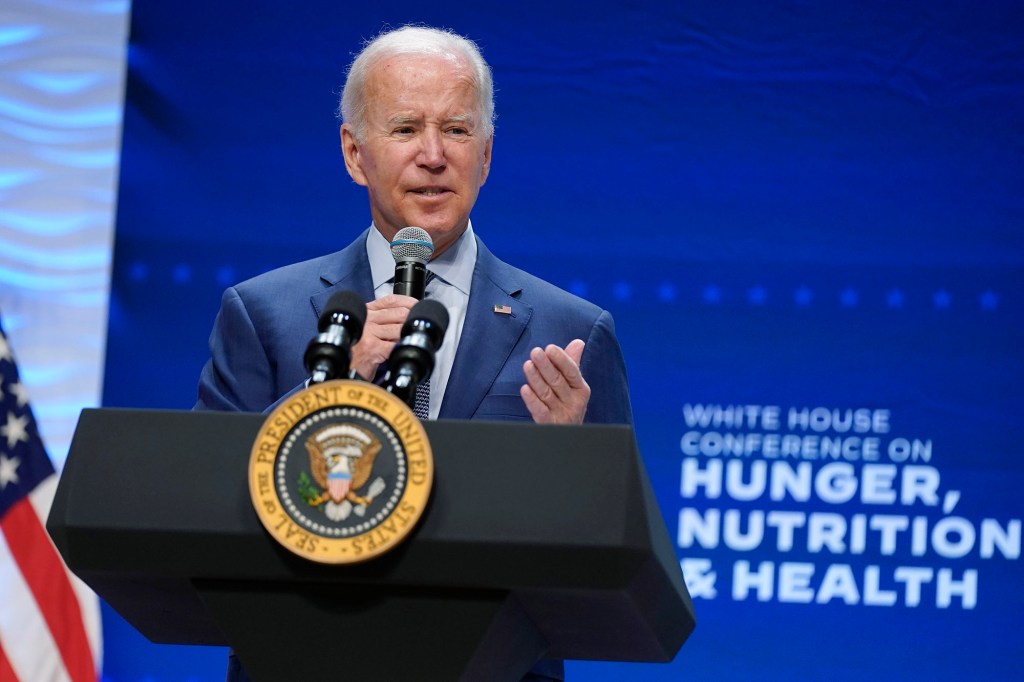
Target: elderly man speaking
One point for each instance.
(418, 132)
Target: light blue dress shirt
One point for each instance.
(453, 272)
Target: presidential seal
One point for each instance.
(340, 472)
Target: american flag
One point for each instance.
(49, 620)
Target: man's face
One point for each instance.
(424, 156)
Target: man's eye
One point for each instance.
(458, 131)
(404, 130)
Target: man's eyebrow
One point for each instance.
(402, 120)
(467, 118)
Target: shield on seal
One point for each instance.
(341, 459)
(338, 483)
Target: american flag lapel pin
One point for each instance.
(502, 309)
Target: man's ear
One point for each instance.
(350, 149)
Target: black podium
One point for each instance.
(539, 541)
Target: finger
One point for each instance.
(575, 350)
(538, 410)
(383, 332)
(387, 316)
(392, 301)
(567, 364)
(539, 388)
(544, 378)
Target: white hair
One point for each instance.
(414, 40)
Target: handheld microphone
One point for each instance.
(411, 249)
(341, 324)
(412, 358)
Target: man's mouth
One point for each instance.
(429, 191)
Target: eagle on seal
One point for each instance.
(341, 458)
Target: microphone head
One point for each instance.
(412, 243)
(345, 308)
(429, 316)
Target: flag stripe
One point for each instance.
(42, 499)
(26, 641)
(6, 671)
(48, 582)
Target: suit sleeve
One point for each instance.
(605, 371)
(237, 377)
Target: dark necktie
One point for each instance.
(421, 406)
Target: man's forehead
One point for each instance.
(408, 88)
(410, 69)
(443, 61)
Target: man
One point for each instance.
(417, 132)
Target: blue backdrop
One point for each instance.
(806, 219)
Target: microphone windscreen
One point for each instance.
(430, 311)
(412, 243)
(344, 303)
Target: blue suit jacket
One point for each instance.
(265, 324)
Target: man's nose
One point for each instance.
(432, 149)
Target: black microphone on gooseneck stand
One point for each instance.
(412, 358)
(341, 324)
(411, 249)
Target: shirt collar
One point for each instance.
(454, 266)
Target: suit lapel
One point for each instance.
(487, 337)
(349, 270)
